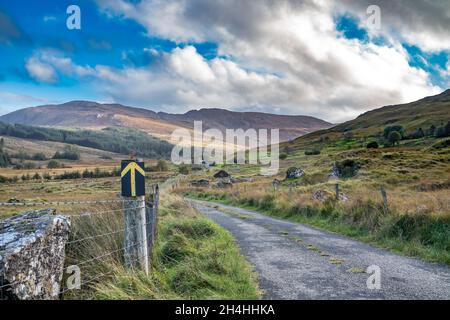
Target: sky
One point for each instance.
(329, 59)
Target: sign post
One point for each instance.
(133, 191)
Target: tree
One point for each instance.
(394, 137)
(390, 129)
(183, 169)
(417, 134)
(2, 143)
(53, 164)
(162, 166)
(447, 129)
(440, 132)
(372, 145)
(39, 156)
(431, 130)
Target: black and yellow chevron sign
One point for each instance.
(132, 178)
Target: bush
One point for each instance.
(68, 154)
(283, 156)
(4, 159)
(183, 169)
(347, 168)
(162, 166)
(440, 132)
(36, 176)
(372, 145)
(53, 164)
(394, 137)
(390, 129)
(312, 152)
(39, 156)
(24, 166)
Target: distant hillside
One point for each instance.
(92, 115)
(434, 110)
(290, 126)
(113, 139)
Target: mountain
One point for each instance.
(93, 115)
(433, 110)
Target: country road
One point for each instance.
(294, 261)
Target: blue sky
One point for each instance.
(144, 53)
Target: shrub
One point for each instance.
(440, 132)
(312, 152)
(71, 154)
(25, 166)
(394, 137)
(390, 129)
(183, 169)
(162, 166)
(347, 168)
(4, 159)
(372, 145)
(283, 156)
(47, 176)
(36, 176)
(39, 156)
(53, 164)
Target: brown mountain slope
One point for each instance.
(85, 114)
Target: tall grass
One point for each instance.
(192, 259)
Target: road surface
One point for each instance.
(294, 261)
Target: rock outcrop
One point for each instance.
(294, 172)
(32, 252)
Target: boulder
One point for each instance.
(221, 174)
(324, 195)
(224, 184)
(294, 172)
(32, 253)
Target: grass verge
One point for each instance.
(193, 258)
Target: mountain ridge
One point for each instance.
(90, 114)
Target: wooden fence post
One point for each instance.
(136, 248)
(155, 210)
(384, 196)
(149, 229)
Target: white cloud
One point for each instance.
(44, 64)
(42, 72)
(285, 56)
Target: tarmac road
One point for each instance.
(294, 261)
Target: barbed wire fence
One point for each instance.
(97, 239)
